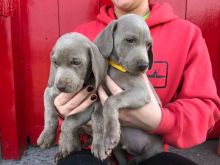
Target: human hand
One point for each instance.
(68, 104)
(147, 117)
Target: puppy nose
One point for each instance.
(61, 86)
(142, 65)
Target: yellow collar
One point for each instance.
(116, 65)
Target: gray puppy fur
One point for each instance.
(128, 42)
(75, 61)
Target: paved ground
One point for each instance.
(204, 154)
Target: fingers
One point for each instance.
(102, 95)
(84, 105)
(112, 86)
(144, 77)
(150, 88)
(66, 102)
(78, 98)
(62, 99)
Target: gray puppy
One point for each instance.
(128, 43)
(75, 62)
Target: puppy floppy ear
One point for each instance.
(99, 64)
(150, 57)
(105, 39)
(52, 71)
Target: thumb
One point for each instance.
(102, 94)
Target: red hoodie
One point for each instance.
(181, 75)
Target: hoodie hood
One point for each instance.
(159, 14)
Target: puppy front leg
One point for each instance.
(132, 98)
(48, 134)
(97, 132)
(69, 140)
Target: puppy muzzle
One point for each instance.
(142, 65)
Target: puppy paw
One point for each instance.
(111, 137)
(98, 150)
(57, 157)
(67, 145)
(110, 143)
(46, 139)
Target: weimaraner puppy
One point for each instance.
(75, 62)
(127, 42)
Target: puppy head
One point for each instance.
(73, 58)
(128, 42)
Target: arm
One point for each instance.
(187, 120)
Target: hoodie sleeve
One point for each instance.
(186, 121)
(90, 29)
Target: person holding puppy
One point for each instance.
(181, 76)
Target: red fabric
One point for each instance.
(215, 132)
(181, 75)
(6, 8)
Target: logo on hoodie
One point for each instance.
(158, 74)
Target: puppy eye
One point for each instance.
(148, 44)
(75, 62)
(55, 63)
(130, 40)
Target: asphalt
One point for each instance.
(204, 154)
